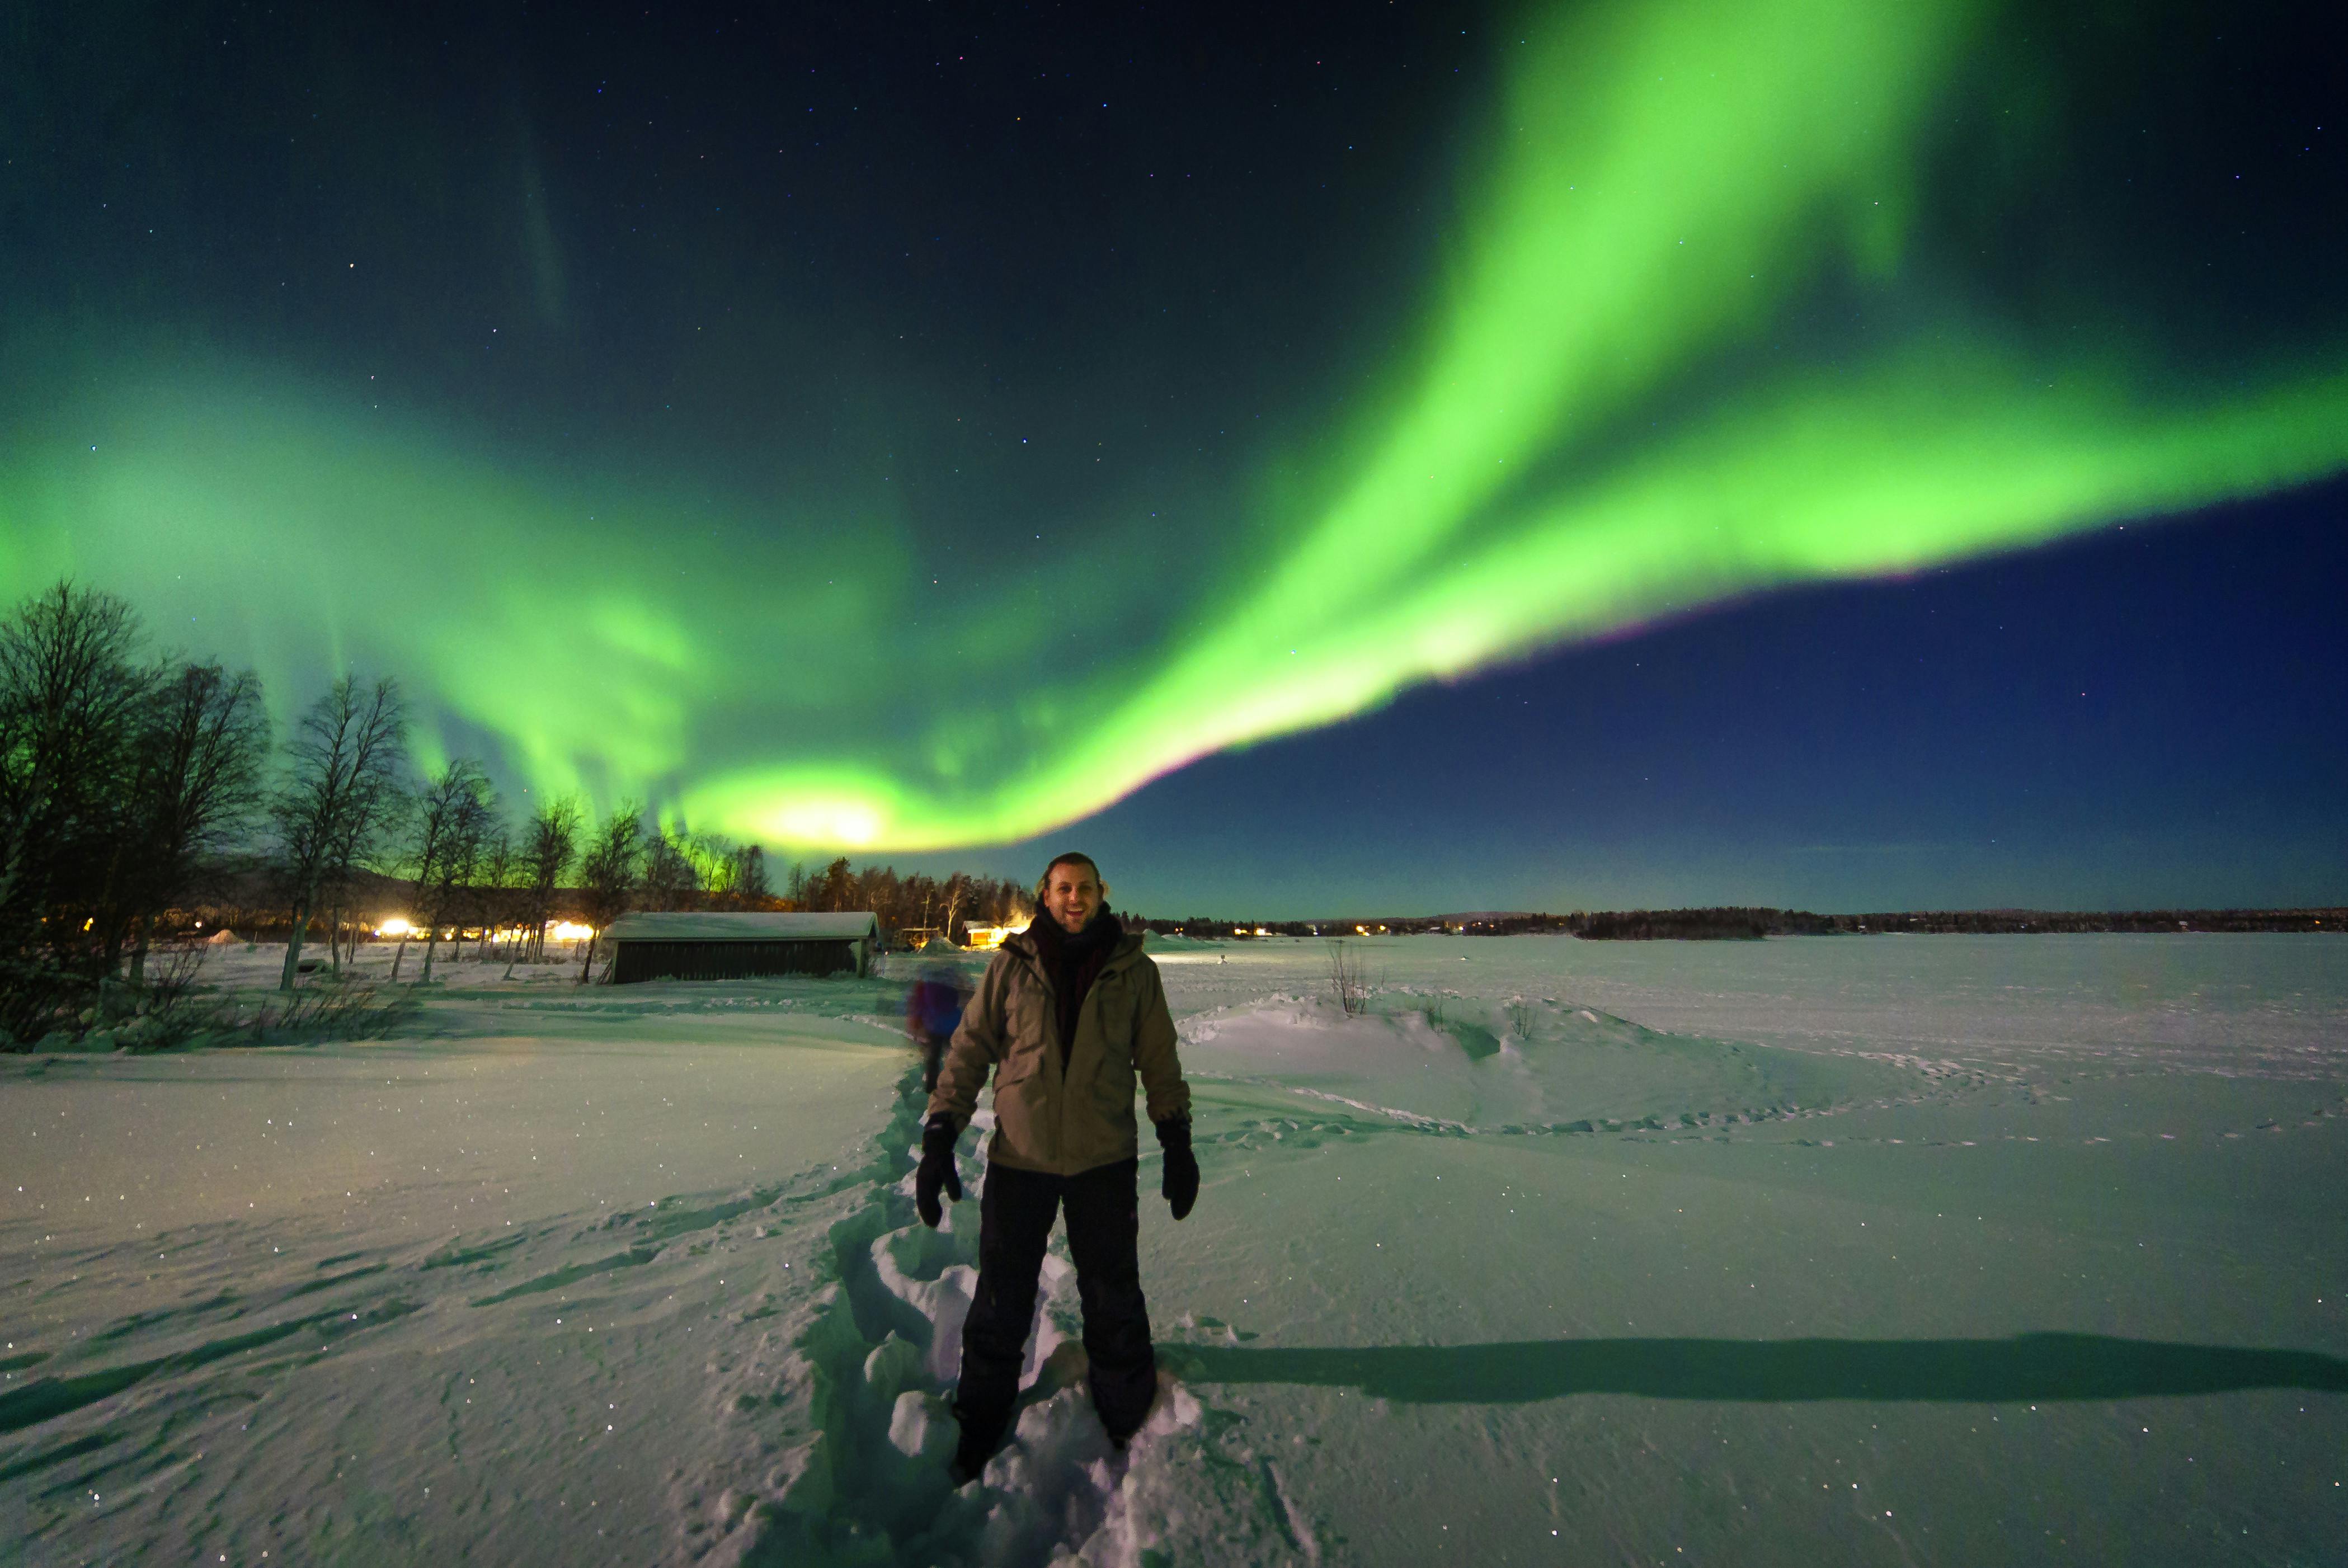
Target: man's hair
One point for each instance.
(1072, 858)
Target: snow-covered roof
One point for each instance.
(843, 926)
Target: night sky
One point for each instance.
(1395, 458)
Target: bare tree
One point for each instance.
(450, 895)
(733, 875)
(70, 693)
(831, 888)
(717, 865)
(1348, 984)
(877, 888)
(429, 839)
(548, 846)
(341, 787)
(749, 876)
(671, 881)
(953, 897)
(491, 896)
(197, 785)
(607, 873)
(365, 840)
(920, 894)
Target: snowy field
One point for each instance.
(1889, 1250)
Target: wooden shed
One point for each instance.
(734, 946)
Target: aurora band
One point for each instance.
(1587, 438)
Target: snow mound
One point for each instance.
(1439, 1059)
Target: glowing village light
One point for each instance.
(396, 926)
(570, 931)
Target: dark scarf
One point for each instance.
(1074, 963)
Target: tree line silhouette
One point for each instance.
(1751, 924)
(139, 790)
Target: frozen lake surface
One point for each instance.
(1886, 1250)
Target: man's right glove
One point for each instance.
(1181, 1187)
(937, 1170)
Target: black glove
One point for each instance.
(937, 1170)
(1181, 1188)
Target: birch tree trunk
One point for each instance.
(293, 942)
(139, 953)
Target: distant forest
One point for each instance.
(1751, 924)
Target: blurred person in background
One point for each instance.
(933, 1008)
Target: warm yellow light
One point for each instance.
(570, 931)
(396, 926)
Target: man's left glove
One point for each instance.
(937, 1170)
(1181, 1187)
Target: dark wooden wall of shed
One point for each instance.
(728, 960)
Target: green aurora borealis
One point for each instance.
(1701, 327)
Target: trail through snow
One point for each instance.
(879, 1351)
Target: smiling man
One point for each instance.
(1069, 1014)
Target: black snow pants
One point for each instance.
(1015, 1215)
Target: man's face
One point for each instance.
(1072, 896)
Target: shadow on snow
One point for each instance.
(2030, 1366)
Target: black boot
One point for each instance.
(981, 1434)
(1102, 1232)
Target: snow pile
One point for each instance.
(1522, 1065)
(865, 1377)
(1175, 942)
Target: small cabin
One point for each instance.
(690, 946)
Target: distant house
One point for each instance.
(732, 946)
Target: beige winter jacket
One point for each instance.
(1046, 1118)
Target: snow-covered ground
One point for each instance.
(1885, 1250)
